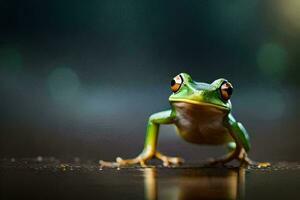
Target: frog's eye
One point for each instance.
(176, 83)
(226, 90)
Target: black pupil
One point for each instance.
(173, 82)
(229, 90)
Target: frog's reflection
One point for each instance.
(207, 183)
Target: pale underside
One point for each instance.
(201, 124)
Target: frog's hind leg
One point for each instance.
(167, 160)
(233, 153)
(243, 157)
(240, 154)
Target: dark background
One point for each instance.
(80, 78)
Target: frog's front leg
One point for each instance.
(150, 146)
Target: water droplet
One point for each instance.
(76, 159)
(39, 159)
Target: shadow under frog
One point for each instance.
(207, 183)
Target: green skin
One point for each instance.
(201, 116)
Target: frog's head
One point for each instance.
(216, 94)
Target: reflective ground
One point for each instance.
(49, 178)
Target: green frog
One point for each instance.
(201, 113)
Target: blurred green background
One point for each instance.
(80, 78)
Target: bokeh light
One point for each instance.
(289, 15)
(97, 70)
(63, 84)
(272, 60)
(10, 66)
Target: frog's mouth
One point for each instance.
(201, 103)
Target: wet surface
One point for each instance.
(49, 178)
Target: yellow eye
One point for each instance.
(226, 90)
(176, 83)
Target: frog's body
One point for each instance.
(201, 124)
(201, 113)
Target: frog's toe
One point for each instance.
(168, 160)
(256, 164)
(123, 162)
(119, 160)
(108, 164)
(263, 164)
(137, 160)
(175, 160)
(246, 160)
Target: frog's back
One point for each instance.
(201, 124)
